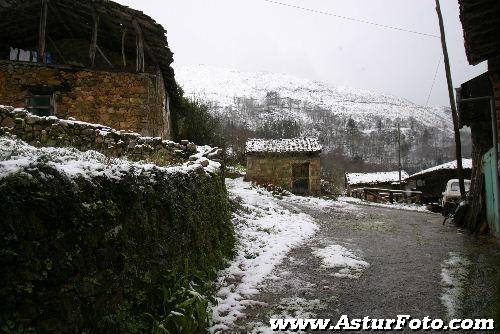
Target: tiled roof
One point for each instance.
(294, 145)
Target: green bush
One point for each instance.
(197, 125)
(103, 255)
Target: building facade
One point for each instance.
(93, 61)
(293, 164)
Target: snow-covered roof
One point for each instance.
(293, 145)
(466, 164)
(374, 178)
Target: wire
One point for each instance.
(433, 82)
(351, 19)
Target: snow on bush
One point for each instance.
(266, 232)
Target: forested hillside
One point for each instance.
(358, 128)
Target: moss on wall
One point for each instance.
(93, 255)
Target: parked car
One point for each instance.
(451, 195)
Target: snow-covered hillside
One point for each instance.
(227, 88)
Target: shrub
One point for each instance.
(96, 255)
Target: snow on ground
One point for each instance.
(349, 265)
(324, 204)
(266, 232)
(453, 279)
(16, 155)
(397, 206)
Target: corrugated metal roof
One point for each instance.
(452, 165)
(375, 178)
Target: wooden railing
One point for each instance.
(387, 195)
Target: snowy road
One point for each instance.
(317, 258)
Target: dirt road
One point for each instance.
(395, 262)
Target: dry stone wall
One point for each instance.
(51, 131)
(277, 170)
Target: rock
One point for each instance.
(31, 120)
(204, 162)
(184, 142)
(8, 122)
(193, 158)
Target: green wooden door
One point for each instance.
(492, 210)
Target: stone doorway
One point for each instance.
(300, 178)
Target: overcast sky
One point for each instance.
(255, 35)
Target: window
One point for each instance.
(40, 105)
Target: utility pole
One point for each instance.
(458, 144)
(399, 153)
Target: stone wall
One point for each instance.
(126, 101)
(277, 170)
(96, 253)
(51, 131)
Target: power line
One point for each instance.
(433, 82)
(351, 18)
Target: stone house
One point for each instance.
(382, 180)
(293, 164)
(94, 61)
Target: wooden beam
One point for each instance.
(124, 35)
(93, 43)
(140, 64)
(57, 49)
(42, 30)
(104, 56)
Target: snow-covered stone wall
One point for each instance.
(91, 244)
(51, 131)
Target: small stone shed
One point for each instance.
(432, 181)
(293, 164)
(382, 180)
(95, 61)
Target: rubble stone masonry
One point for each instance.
(54, 132)
(276, 169)
(126, 101)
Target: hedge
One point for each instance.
(97, 255)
